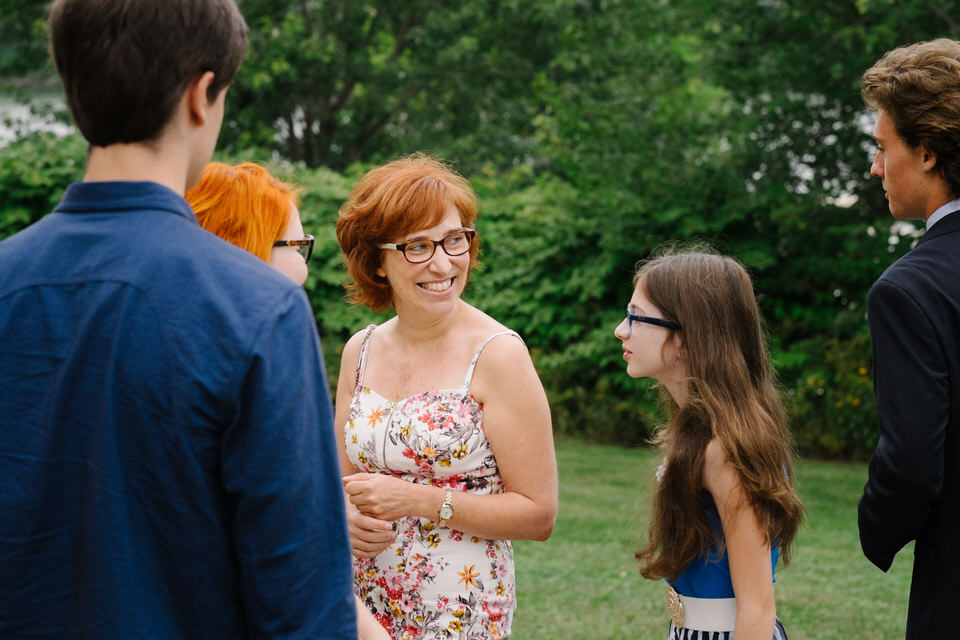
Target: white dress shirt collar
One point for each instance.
(943, 212)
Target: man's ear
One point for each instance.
(927, 157)
(197, 103)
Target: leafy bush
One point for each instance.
(34, 172)
(551, 272)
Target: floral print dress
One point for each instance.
(434, 582)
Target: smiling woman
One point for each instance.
(447, 448)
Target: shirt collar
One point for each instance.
(943, 212)
(102, 197)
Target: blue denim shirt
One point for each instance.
(167, 460)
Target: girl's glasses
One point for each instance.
(660, 322)
(304, 246)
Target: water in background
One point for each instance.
(17, 119)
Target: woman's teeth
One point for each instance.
(437, 286)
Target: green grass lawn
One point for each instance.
(583, 582)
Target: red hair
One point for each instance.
(392, 201)
(244, 205)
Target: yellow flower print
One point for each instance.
(362, 458)
(375, 416)
(460, 451)
(405, 432)
(444, 463)
(433, 540)
(353, 439)
(429, 452)
(458, 613)
(467, 576)
(456, 625)
(395, 607)
(501, 590)
(493, 630)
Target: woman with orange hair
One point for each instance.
(248, 207)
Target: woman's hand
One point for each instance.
(379, 496)
(369, 537)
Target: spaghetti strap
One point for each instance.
(473, 363)
(362, 360)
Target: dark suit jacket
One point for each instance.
(913, 490)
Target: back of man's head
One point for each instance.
(126, 63)
(918, 87)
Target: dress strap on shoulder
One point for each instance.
(473, 363)
(362, 360)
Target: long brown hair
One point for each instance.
(731, 396)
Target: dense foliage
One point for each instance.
(594, 131)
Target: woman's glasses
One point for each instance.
(303, 246)
(417, 251)
(660, 322)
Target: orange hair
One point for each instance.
(244, 205)
(391, 201)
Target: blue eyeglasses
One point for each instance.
(660, 322)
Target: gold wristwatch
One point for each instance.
(445, 512)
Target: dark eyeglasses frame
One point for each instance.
(660, 322)
(402, 247)
(306, 241)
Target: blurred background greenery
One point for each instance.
(594, 131)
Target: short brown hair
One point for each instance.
(244, 205)
(389, 202)
(126, 63)
(918, 87)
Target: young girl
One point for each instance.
(724, 505)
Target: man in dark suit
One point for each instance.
(913, 490)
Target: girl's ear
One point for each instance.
(681, 348)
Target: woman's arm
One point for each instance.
(516, 421)
(369, 536)
(747, 551)
(367, 626)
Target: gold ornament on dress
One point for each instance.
(675, 607)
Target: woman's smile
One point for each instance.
(437, 285)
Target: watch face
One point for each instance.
(446, 512)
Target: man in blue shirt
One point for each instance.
(167, 461)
